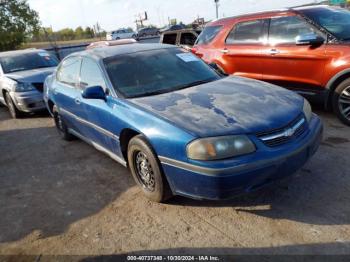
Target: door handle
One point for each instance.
(274, 52)
(77, 101)
(224, 51)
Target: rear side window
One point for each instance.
(68, 73)
(187, 39)
(286, 29)
(169, 39)
(247, 32)
(208, 35)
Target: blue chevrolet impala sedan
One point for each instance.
(180, 127)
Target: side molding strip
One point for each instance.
(98, 147)
(92, 125)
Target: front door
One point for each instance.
(97, 110)
(242, 50)
(298, 67)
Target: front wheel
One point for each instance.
(14, 112)
(341, 101)
(146, 171)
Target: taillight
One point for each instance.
(194, 50)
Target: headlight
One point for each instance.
(307, 110)
(23, 87)
(220, 147)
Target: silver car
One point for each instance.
(22, 74)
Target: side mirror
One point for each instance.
(309, 39)
(94, 92)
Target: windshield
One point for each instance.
(335, 20)
(28, 61)
(157, 71)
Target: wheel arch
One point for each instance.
(3, 92)
(50, 104)
(125, 136)
(332, 85)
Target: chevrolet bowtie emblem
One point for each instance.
(289, 132)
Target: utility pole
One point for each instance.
(217, 8)
(141, 18)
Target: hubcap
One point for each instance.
(344, 103)
(144, 171)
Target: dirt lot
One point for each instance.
(61, 197)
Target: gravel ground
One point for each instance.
(61, 197)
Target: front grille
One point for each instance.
(285, 134)
(39, 86)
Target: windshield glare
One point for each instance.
(29, 61)
(156, 72)
(335, 20)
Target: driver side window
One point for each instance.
(91, 75)
(284, 30)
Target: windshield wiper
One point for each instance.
(196, 83)
(43, 67)
(159, 92)
(15, 70)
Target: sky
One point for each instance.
(114, 14)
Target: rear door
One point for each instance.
(68, 94)
(298, 67)
(242, 51)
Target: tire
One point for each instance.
(146, 170)
(14, 112)
(341, 101)
(61, 127)
(134, 36)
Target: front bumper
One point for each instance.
(235, 177)
(31, 101)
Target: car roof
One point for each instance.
(266, 13)
(186, 30)
(21, 52)
(110, 51)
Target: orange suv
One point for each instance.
(306, 49)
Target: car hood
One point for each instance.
(233, 105)
(32, 76)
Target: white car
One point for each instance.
(121, 34)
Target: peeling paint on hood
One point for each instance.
(233, 105)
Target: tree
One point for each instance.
(79, 33)
(66, 34)
(17, 22)
(89, 32)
